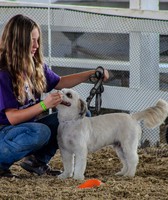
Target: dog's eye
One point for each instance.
(69, 95)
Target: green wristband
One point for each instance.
(42, 104)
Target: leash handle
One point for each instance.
(98, 88)
(99, 72)
(99, 75)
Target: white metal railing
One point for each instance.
(140, 94)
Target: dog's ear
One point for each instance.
(82, 108)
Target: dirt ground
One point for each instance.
(150, 182)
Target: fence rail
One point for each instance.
(122, 40)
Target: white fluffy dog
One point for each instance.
(78, 135)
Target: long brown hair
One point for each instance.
(16, 58)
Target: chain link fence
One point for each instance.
(134, 50)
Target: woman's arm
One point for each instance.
(75, 79)
(16, 116)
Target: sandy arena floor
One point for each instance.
(150, 182)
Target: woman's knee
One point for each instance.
(44, 132)
(26, 137)
(36, 133)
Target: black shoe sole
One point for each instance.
(54, 172)
(8, 174)
(37, 171)
(29, 168)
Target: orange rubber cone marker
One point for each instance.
(90, 183)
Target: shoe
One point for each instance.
(38, 168)
(7, 173)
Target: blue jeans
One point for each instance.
(38, 138)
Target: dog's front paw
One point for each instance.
(125, 174)
(78, 177)
(119, 173)
(63, 176)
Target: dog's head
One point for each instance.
(72, 106)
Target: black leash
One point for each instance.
(97, 90)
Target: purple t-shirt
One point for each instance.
(8, 99)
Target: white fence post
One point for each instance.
(147, 66)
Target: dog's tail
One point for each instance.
(153, 116)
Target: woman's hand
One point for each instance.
(53, 99)
(106, 75)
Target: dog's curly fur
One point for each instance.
(78, 135)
